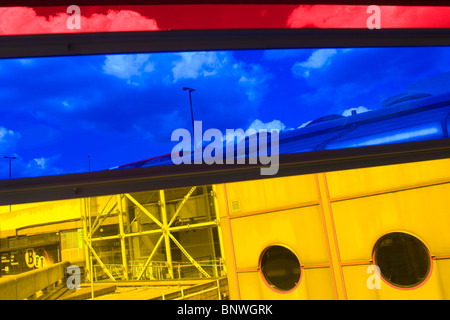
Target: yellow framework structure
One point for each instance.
(165, 229)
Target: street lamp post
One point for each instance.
(192, 112)
(10, 159)
(10, 176)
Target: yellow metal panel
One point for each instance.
(41, 213)
(356, 283)
(299, 229)
(422, 212)
(442, 270)
(360, 181)
(319, 284)
(270, 194)
(228, 248)
(315, 284)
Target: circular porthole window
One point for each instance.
(280, 268)
(403, 260)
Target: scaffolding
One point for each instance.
(137, 223)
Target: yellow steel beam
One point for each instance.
(189, 256)
(219, 228)
(103, 219)
(154, 219)
(194, 226)
(185, 199)
(103, 209)
(127, 235)
(85, 239)
(162, 198)
(330, 232)
(100, 262)
(151, 256)
(122, 238)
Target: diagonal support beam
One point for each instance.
(140, 206)
(103, 218)
(103, 209)
(185, 199)
(151, 256)
(100, 261)
(189, 256)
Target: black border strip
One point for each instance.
(198, 40)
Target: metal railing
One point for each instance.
(159, 270)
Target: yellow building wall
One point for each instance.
(37, 213)
(332, 221)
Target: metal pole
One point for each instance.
(10, 171)
(192, 118)
(219, 227)
(192, 114)
(122, 238)
(165, 229)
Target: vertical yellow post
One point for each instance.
(122, 237)
(165, 230)
(219, 229)
(85, 239)
(89, 242)
(333, 248)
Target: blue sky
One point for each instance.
(123, 108)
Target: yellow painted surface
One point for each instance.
(356, 278)
(299, 229)
(375, 179)
(350, 210)
(422, 212)
(270, 194)
(41, 213)
(315, 284)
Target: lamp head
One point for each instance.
(190, 89)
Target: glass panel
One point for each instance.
(403, 260)
(75, 114)
(280, 268)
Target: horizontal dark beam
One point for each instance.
(164, 41)
(164, 177)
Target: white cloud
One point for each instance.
(318, 59)
(193, 65)
(273, 125)
(41, 162)
(359, 109)
(8, 139)
(256, 126)
(128, 66)
(39, 166)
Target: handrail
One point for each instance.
(25, 285)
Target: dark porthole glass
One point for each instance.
(280, 268)
(403, 259)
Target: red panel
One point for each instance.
(44, 20)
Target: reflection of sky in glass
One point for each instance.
(118, 109)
